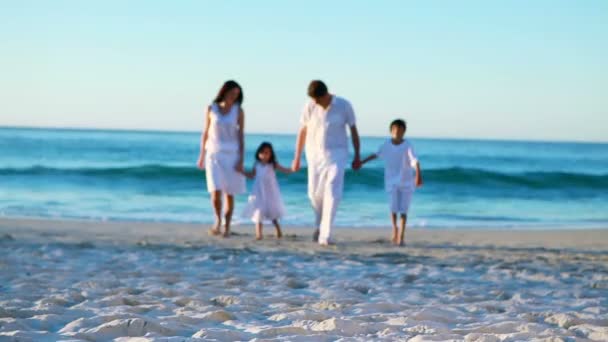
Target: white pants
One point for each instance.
(325, 186)
(400, 200)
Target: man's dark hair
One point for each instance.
(399, 123)
(317, 89)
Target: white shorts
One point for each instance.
(221, 175)
(400, 200)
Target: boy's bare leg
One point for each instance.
(258, 231)
(279, 234)
(216, 202)
(228, 214)
(394, 221)
(401, 240)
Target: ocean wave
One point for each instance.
(454, 176)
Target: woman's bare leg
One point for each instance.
(228, 214)
(277, 227)
(216, 203)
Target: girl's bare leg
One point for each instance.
(401, 241)
(216, 202)
(228, 214)
(277, 226)
(258, 231)
(394, 239)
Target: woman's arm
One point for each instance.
(241, 122)
(201, 156)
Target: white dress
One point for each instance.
(222, 152)
(265, 201)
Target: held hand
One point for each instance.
(239, 167)
(295, 165)
(356, 165)
(200, 163)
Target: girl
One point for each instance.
(221, 152)
(265, 201)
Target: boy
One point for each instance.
(401, 174)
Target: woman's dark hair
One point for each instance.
(399, 123)
(273, 157)
(317, 89)
(228, 86)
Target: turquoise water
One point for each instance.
(151, 176)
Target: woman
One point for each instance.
(222, 147)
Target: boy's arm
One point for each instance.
(369, 158)
(418, 175)
(283, 169)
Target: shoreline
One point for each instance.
(356, 240)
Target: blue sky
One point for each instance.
(472, 69)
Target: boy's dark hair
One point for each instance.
(399, 123)
(228, 86)
(273, 157)
(317, 89)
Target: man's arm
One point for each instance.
(300, 140)
(354, 135)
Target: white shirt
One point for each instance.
(326, 137)
(399, 163)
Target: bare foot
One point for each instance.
(215, 230)
(315, 236)
(327, 243)
(226, 233)
(279, 235)
(258, 237)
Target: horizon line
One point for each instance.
(174, 131)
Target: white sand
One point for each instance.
(98, 281)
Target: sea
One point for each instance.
(152, 176)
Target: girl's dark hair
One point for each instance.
(273, 157)
(228, 86)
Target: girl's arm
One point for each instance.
(369, 158)
(201, 156)
(418, 175)
(241, 122)
(248, 174)
(284, 169)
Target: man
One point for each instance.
(323, 130)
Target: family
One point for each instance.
(323, 137)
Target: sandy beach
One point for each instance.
(99, 281)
